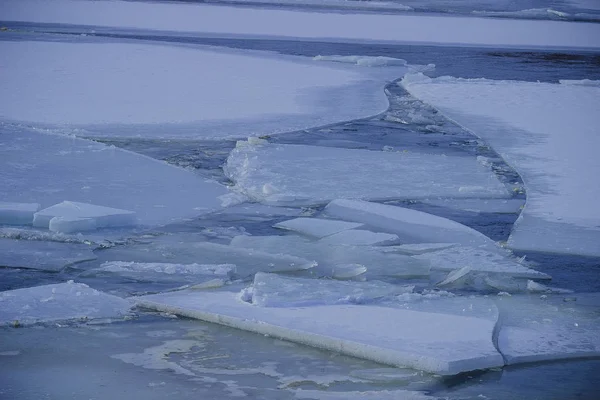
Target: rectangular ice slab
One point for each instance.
(548, 133)
(271, 290)
(535, 329)
(17, 213)
(71, 213)
(439, 343)
(304, 175)
(360, 237)
(316, 227)
(410, 225)
(46, 256)
(59, 302)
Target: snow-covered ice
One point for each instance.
(303, 175)
(164, 272)
(548, 133)
(410, 225)
(542, 329)
(211, 20)
(179, 91)
(271, 290)
(42, 255)
(441, 343)
(72, 216)
(17, 213)
(316, 227)
(360, 237)
(47, 169)
(59, 302)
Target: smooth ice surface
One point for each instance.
(410, 225)
(91, 172)
(58, 302)
(236, 22)
(17, 213)
(239, 93)
(271, 290)
(72, 216)
(440, 343)
(419, 248)
(360, 237)
(334, 260)
(316, 227)
(501, 206)
(45, 256)
(303, 175)
(542, 329)
(548, 133)
(365, 61)
(479, 260)
(164, 272)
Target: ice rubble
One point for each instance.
(41, 255)
(302, 175)
(316, 227)
(165, 272)
(17, 213)
(242, 22)
(547, 132)
(160, 95)
(72, 216)
(91, 172)
(440, 343)
(59, 302)
(271, 290)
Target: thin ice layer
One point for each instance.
(331, 257)
(91, 172)
(439, 343)
(239, 93)
(243, 22)
(70, 213)
(360, 237)
(17, 213)
(411, 226)
(303, 175)
(548, 133)
(544, 329)
(316, 227)
(164, 272)
(59, 302)
(45, 256)
(271, 290)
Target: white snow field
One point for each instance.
(441, 343)
(47, 169)
(211, 20)
(303, 175)
(548, 133)
(179, 91)
(59, 302)
(42, 255)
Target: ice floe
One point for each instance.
(41, 255)
(302, 175)
(547, 132)
(365, 395)
(316, 227)
(360, 237)
(59, 302)
(17, 213)
(71, 216)
(431, 341)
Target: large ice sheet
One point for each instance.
(59, 302)
(441, 343)
(549, 328)
(548, 133)
(230, 21)
(303, 175)
(45, 256)
(17, 213)
(90, 172)
(333, 259)
(316, 227)
(410, 225)
(360, 237)
(160, 94)
(271, 290)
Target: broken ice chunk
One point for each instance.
(17, 213)
(316, 227)
(418, 248)
(72, 212)
(271, 290)
(58, 302)
(360, 237)
(46, 256)
(71, 224)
